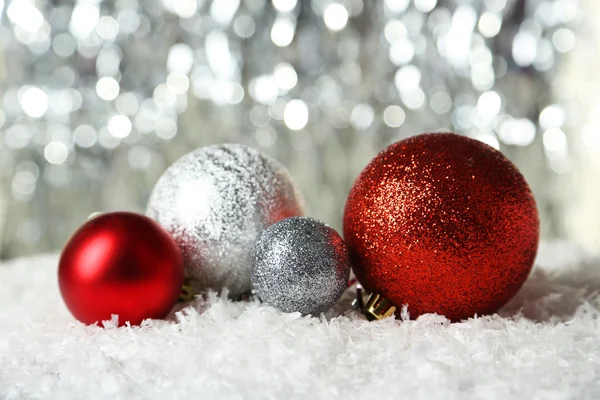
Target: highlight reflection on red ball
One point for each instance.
(120, 263)
(442, 223)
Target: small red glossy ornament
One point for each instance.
(120, 263)
(444, 224)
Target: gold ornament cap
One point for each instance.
(376, 308)
(187, 293)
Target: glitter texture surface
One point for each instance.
(216, 201)
(301, 265)
(442, 223)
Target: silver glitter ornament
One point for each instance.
(216, 201)
(301, 264)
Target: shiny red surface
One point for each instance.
(120, 263)
(444, 224)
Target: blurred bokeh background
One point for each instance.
(97, 97)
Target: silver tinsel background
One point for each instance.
(99, 97)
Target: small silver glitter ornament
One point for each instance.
(216, 201)
(301, 264)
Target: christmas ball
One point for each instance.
(442, 223)
(215, 202)
(120, 263)
(300, 265)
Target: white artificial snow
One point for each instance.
(543, 345)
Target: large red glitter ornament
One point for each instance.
(120, 263)
(442, 223)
